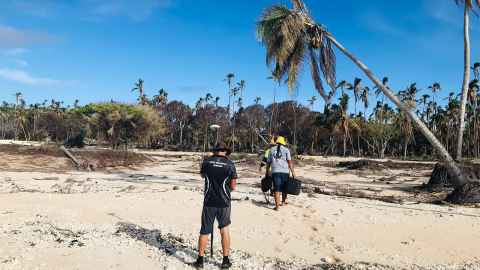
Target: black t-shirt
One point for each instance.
(218, 172)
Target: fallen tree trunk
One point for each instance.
(73, 158)
(70, 156)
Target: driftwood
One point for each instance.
(356, 194)
(73, 158)
(367, 164)
(149, 158)
(70, 156)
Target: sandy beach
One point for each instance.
(148, 217)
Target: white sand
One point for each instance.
(70, 220)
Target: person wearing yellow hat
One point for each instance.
(280, 163)
(263, 162)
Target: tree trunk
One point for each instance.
(181, 134)
(458, 179)
(466, 81)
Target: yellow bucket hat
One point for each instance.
(281, 140)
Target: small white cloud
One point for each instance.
(376, 22)
(21, 63)
(138, 10)
(44, 8)
(24, 77)
(15, 52)
(13, 38)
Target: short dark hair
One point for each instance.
(222, 147)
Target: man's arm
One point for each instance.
(233, 184)
(290, 166)
(290, 163)
(234, 177)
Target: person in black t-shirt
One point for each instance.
(220, 179)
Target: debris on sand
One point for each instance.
(374, 165)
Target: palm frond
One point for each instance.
(315, 71)
(328, 63)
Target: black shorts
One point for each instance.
(209, 214)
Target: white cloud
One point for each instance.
(43, 8)
(378, 23)
(13, 38)
(21, 62)
(138, 10)
(15, 52)
(445, 12)
(24, 77)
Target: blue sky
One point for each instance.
(94, 50)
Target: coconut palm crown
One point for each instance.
(292, 37)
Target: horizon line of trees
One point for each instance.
(339, 130)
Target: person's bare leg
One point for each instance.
(225, 233)
(277, 200)
(284, 198)
(202, 244)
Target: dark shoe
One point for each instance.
(198, 264)
(226, 264)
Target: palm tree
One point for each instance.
(424, 101)
(208, 98)
(229, 79)
(138, 86)
(474, 87)
(468, 7)
(343, 124)
(476, 70)
(217, 99)
(357, 88)
(378, 91)
(257, 100)
(241, 86)
(291, 35)
(311, 101)
(343, 85)
(435, 88)
(364, 98)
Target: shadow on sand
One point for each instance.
(172, 245)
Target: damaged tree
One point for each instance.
(291, 36)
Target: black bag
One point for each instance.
(293, 186)
(267, 183)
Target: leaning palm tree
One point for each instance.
(468, 7)
(290, 36)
